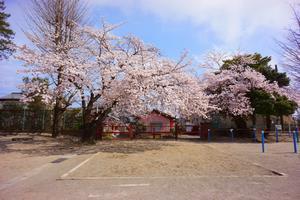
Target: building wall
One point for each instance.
(156, 122)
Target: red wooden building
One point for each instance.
(157, 121)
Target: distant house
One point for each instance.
(157, 121)
(11, 101)
(153, 123)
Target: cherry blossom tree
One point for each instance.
(232, 86)
(53, 32)
(123, 76)
(214, 60)
(115, 75)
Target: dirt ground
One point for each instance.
(146, 169)
(173, 159)
(136, 158)
(29, 151)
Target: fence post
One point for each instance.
(263, 141)
(208, 135)
(297, 135)
(276, 132)
(64, 121)
(295, 142)
(43, 123)
(254, 135)
(129, 128)
(176, 131)
(231, 134)
(24, 118)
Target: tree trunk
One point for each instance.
(268, 122)
(89, 133)
(86, 124)
(281, 121)
(241, 125)
(99, 129)
(240, 122)
(57, 121)
(90, 122)
(89, 126)
(254, 120)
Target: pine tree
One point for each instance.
(6, 34)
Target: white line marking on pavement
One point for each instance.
(94, 196)
(68, 156)
(275, 172)
(167, 177)
(79, 165)
(132, 185)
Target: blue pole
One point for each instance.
(295, 142)
(297, 134)
(231, 134)
(263, 141)
(208, 135)
(276, 131)
(254, 134)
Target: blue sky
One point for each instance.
(198, 26)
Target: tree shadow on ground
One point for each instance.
(47, 146)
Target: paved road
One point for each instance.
(43, 181)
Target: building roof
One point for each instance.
(163, 114)
(111, 120)
(156, 112)
(14, 96)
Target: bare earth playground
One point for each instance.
(43, 168)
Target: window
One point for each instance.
(156, 126)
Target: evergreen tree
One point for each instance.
(6, 34)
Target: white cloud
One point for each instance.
(229, 20)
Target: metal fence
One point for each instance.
(24, 120)
(37, 120)
(252, 134)
(150, 132)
